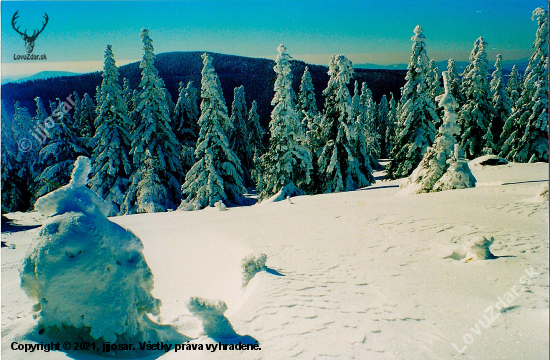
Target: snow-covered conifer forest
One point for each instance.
(338, 226)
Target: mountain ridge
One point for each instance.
(256, 74)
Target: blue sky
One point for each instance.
(376, 31)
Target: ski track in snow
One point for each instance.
(364, 274)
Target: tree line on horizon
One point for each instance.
(150, 154)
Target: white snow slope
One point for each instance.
(366, 274)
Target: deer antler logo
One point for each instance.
(29, 40)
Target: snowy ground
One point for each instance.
(358, 275)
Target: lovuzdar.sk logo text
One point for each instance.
(29, 39)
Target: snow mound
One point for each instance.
(221, 206)
(74, 196)
(87, 273)
(488, 160)
(214, 323)
(289, 190)
(458, 175)
(252, 264)
(542, 193)
(478, 249)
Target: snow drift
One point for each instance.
(88, 273)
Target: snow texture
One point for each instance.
(86, 272)
(359, 267)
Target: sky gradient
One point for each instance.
(376, 31)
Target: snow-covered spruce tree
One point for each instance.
(255, 130)
(306, 99)
(255, 139)
(476, 114)
(57, 155)
(239, 137)
(500, 102)
(186, 129)
(22, 124)
(435, 80)
(435, 89)
(128, 95)
(151, 192)
(436, 159)
(392, 126)
(513, 86)
(186, 112)
(216, 176)
(97, 96)
(367, 131)
(153, 132)
(12, 198)
(85, 118)
(383, 110)
(286, 166)
(454, 83)
(356, 105)
(77, 108)
(417, 116)
(169, 103)
(111, 163)
(341, 166)
(29, 141)
(526, 130)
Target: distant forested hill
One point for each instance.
(255, 74)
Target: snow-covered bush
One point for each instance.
(488, 160)
(458, 175)
(87, 273)
(289, 190)
(214, 323)
(252, 264)
(478, 249)
(542, 193)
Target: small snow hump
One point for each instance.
(74, 196)
(221, 206)
(478, 249)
